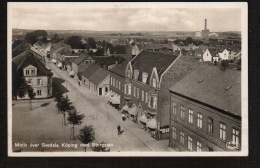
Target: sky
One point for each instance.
(126, 19)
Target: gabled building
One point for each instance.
(224, 54)
(35, 73)
(88, 72)
(205, 113)
(148, 76)
(99, 82)
(211, 55)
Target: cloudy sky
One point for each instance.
(129, 19)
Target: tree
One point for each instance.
(75, 42)
(87, 135)
(75, 119)
(63, 106)
(101, 147)
(91, 42)
(55, 38)
(26, 89)
(32, 36)
(189, 40)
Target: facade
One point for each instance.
(88, 72)
(35, 73)
(205, 113)
(224, 54)
(148, 76)
(211, 55)
(99, 82)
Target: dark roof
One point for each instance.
(55, 47)
(154, 46)
(145, 61)
(120, 69)
(20, 49)
(88, 72)
(213, 52)
(80, 59)
(117, 50)
(104, 60)
(27, 58)
(215, 87)
(98, 76)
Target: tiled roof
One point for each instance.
(104, 60)
(117, 50)
(27, 58)
(213, 52)
(88, 72)
(20, 49)
(120, 69)
(99, 76)
(145, 61)
(80, 59)
(213, 86)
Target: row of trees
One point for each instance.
(87, 133)
(33, 37)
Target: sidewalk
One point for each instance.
(112, 114)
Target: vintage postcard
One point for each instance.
(127, 79)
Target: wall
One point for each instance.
(200, 134)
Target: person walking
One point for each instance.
(118, 129)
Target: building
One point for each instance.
(210, 55)
(35, 73)
(88, 72)
(205, 32)
(148, 76)
(224, 54)
(205, 112)
(119, 51)
(99, 82)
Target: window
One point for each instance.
(39, 92)
(144, 77)
(164, 130)
(142, 95)
(49, 91)
(129, 89)
(119, 85)
(222, 131)
(174, 108)
(136, 74)
(39, 82)
(27, 72)
(137, 92)
(235, 136)
(181, 137)
(153, 102)
(190, 116)
(199, 146)
(106, 89)
(154, 82)
(33, 72)
(174, 132)
(189, 143)
(49, 81)
(134, 91)
(111, 81)
(146, 97)
(182, 112)
(199, 120)
(210, 125)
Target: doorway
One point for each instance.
(100, 91)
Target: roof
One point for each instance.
(20, 49)
(213, 52)
(54, 47)
(215, 87)
(47, 45)
(104, 60)
(154, 46)
(119, 69)
(80, 59)
(27, 58)
(88, 72)
(99, 76)
(145, 61)
(117, 50)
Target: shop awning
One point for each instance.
(152, 123)
(108, 94)
(59, 65)
(72, 73)
(143, 118)
(133, 110)
(53, 60)
(113, 98)
(116, 100)
(125, 108)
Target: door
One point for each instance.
(100, 91)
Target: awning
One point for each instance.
(116, 100)
(125, 108)
(133, 110)
(59, 65)
(143, 118)
(108, 94)
(152, 123)
(113, 98)
(72, 73)
(53, 60)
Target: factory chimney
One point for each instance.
(205, 24)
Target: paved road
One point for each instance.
(105, 119)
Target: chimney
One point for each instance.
(205, 24)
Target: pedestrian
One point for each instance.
(123, 117)
(79, 83)
(118, 129)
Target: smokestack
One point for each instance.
(205, 24)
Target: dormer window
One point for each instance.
(136, 74)
(144, 77)
(33, 72)
(27, 72)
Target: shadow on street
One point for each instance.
(58, 88)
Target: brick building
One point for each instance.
(146, 80)
(205, 112)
